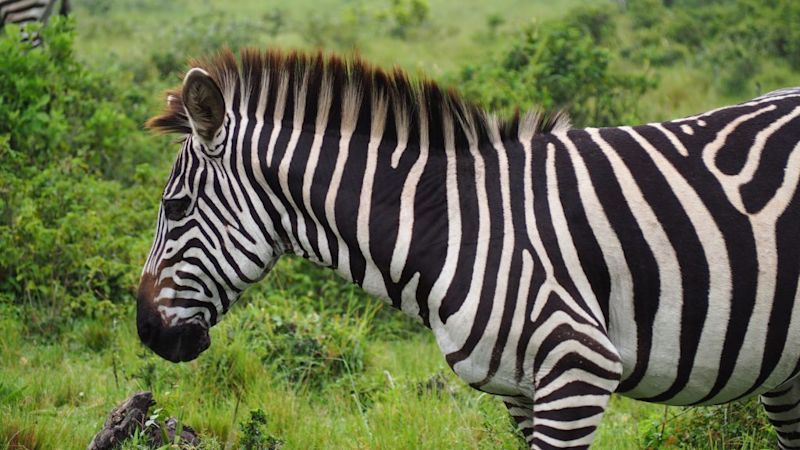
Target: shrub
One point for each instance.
(53, 109)
(646, 13)
(312, 288)
(205, 34)
(598, 22)
(731, 39)
(406, 15)
(555, 66)
(255, 435)
(305, 348)
(75, 197)
(741, 425)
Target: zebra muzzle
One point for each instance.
(176, 342)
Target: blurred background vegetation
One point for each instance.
(306, 361)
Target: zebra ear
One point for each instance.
(204, 103)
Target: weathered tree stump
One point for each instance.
(123, 421)
(188, 436)
(130, 416)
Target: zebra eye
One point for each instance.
(175, 208)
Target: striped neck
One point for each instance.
(372, 205)
(364, 171)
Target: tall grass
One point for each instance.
(57, 395)
(130, 30)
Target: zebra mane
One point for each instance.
(354, 91)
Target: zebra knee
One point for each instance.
(783, 410)
(521, 410)
(788, 434)
(792, 443)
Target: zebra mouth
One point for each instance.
(183, 341)
(178, 343)
(192, 340)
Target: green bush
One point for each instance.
(731, 39)
(77, 201)
(405, 15)
(597, 21)
(302, 342)
(205, 34)
(53, 109)
(254, 433)
(304, 347)
(553, 66)
(319, 289)
(646, 13)
(738, 425)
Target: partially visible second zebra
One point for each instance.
(554, 265)
(27, 11)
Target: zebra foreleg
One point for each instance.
(783, 410)
(572, 388)
(521, 410)
(568, 420)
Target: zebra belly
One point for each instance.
(692, 394)
(748, 377)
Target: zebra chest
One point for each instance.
(487, 352)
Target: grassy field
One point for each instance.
(128, 31)
(131, 29)
(328, 367)
(56, 394)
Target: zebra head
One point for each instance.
(209, 246)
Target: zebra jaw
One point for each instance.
(175, 340)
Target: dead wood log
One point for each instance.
(188, 437)
(131, 415)
(123, 421)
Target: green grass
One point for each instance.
(57, 395)
(455, 32)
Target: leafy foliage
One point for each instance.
(307, 347)
(53, 109)
(74, 190)
(740, 425)
(558, 66)
(405, 15)
(732, 39)
(597, 21)
(255, 435)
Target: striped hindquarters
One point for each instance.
(694, 224)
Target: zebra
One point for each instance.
(26, 11)
(554, 266)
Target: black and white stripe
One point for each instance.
(554, 266)
(27, 11)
